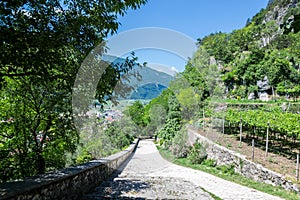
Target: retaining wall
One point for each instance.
(247, 168)
(69, 183)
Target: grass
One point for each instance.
(211, 194)
(233, 177)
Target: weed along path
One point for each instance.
(148, 176)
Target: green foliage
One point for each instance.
(249, 54)
(233, 177)
(226, 169)
(161, 100)
(259, 17)
(37, 128)
(284, 123)
(136, 112)
(173, 121)
(97, 142)
(217, 46)
(43, 44)
(198, 153)
(209, 162)
(189, 105)
(39, 34)
(277, 66)
(84, 157)
(241, 40)
(179, 146)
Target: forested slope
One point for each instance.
(261, 58)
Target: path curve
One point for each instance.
(148, 176)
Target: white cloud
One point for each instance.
(163, 68)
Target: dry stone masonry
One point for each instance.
(70, 183)
(247, 168)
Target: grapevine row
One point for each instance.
(284, 123)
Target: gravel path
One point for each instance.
(148, 176)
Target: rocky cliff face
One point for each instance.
(280, 12)
(270, 2)
(279, 9)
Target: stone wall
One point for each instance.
(69, 183)
(247, 168)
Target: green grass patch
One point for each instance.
(225, 172)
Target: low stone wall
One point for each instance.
(247, 168)
(69, 183)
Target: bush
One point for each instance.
(209, 163)
(226, 169)
(198, 153)
(179, 146)
(84, 157)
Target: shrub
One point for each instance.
(226, 169)
(209, 163)
(198, 153)
(179, 146)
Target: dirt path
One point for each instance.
(148, 176)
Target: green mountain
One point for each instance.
(148, 91)
(142, 82)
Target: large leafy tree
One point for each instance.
(136, 112)
(43, 44)
(217, 45)
(173, 120)
(36, 34)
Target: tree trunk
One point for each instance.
(41, 165)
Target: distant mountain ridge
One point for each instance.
(150, 82)
(148, 91)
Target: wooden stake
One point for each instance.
(297, 168)
(253, 149)
(223, 124)
(203, 120)
(241, 130)
(267, 140)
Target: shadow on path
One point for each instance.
(115, 187)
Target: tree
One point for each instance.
(276, 67)
(136, 112)
(40, 131)
(173, 120)
(39, 34)
(242, 39)
(43, 44)
(157, 115)
(217, 45)
(195, 79)
(189, 101)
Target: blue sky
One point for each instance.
(193, 18)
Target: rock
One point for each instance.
(247, 168)
(263, 96)
(263, 85)
(251, 96)
(212, 61)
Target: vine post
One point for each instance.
(297, 167)
(267, 139)
(253, 150)
(203, 116)
(241, 130)
(223, 125)
(211, 124)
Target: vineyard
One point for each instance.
(283, 125)
(267, 134)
